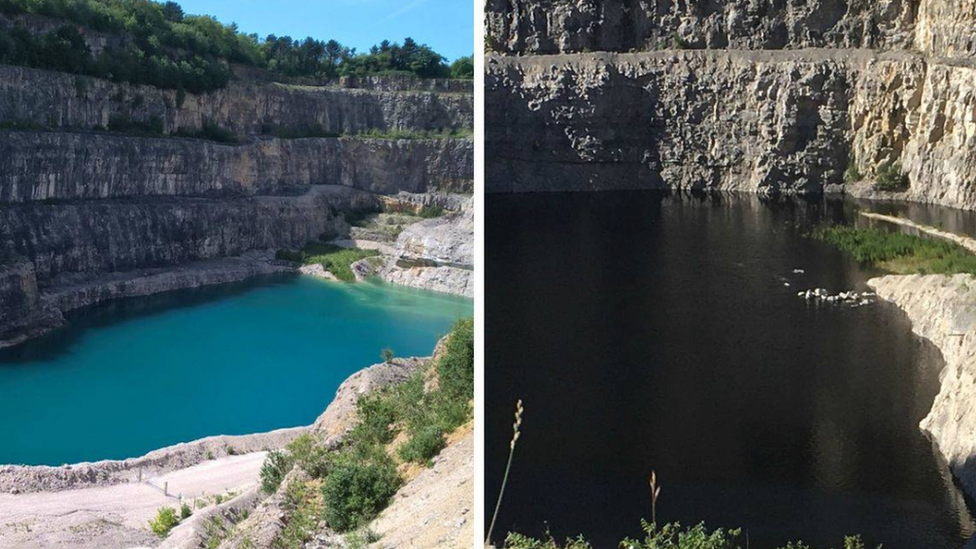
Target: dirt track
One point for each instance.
(115, 517)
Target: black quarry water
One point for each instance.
(649, 331)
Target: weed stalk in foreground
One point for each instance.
(655, 492)
(511, 452)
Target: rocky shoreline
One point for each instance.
(942, 309)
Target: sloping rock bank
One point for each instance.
(436, 254)
(942, 309)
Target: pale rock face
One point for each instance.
(341, 416)
(943, 310)
(436, 254)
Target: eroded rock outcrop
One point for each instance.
(943, 310)
(436, 254)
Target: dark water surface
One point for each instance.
(646, 331)
(139, 374)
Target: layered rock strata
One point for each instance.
(61, 100)
(436, 254)
(38, 166)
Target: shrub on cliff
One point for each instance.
(455, 368)
(165, 521)
(276, 466)
(890, 178)
(423, 445)
(358, 487)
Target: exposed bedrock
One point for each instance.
(766, 121)
(62, 165)
(117, 235)
(85, 252)
(64, 100)
(566, 26)
(943, 310)
(436, 254)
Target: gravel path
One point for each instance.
(115, 517)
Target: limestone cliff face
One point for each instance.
(95, 215)
(38, 166)
(436, 254)
(64, 100)
(790, 96)
(22, 313)
(567, 26)
(766, 121)
(943, 310)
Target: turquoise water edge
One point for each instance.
(136, 375)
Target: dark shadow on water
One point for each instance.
(662, 331)
(61, 342)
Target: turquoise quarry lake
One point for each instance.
(135, 375)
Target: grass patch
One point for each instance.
(429, 212)
(21, 125)
(898, 252)
(335, 259)
(303, 504)
(405, 134)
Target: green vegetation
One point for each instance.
(185, 511)
(852, 174)
(428, 212)
(387, 355)
(303, 505)
(425, 443)
(335, 259)
(274, 469)
(213, 532)
(890, 178)
(124, 124)
(359, 486)
(668, 536)
(165, 521)
(361, 539)
(210, 131)
(20, 125)
(463, 68)
(454, 368)
(166, 48)
(350, 486)
(405, 134)
(898, 252)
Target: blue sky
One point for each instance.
(444, 25)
